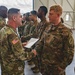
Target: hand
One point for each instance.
(23, 44)
(60, 69)
(22, 38)
(34, 51)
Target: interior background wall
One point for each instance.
(68, 9)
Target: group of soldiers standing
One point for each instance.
(51, 54)
(47, 32)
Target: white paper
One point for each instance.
(31, 42)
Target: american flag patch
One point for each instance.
(15, 41)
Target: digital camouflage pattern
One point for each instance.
(55, 50)
(41, 27)
(28, 25)
(39, 32)
(32, 32)
(26, 31)
(21, 30)
(12, 53)
(33, 28)
(2, 23)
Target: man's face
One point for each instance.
(24, 18)
(39, 14)
(53, 16)
(18, 20)
(31, 17)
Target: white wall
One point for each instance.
(38, 3)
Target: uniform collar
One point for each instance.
(54, 27)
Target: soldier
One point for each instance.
(42, 11)
(56, 47)
(3, 16)
(12, 53)
(33, 18)
(27, 27)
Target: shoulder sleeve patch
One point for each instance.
(15, 41)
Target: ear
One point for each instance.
(14, 18)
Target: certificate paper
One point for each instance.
(31, 42)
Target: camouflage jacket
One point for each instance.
(32, 33)
(55, 49)
(2, 23)
(41, 27)
(12, 53)
(32, 29)
(27, 27)
(21, 30)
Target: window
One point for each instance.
(67, 17)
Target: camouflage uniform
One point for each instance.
(20, 30)
(12, 53)
(26, 31)
(2, 23)
(28, 25)
(39, 32)
(32, 31)
(32, 35)
(41, 27)
(55, 49)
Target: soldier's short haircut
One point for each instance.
(24, 14)
(33, 12)
(57, 9)
(12, 11)
(27, 14)
(44, 9)
(3, 11)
